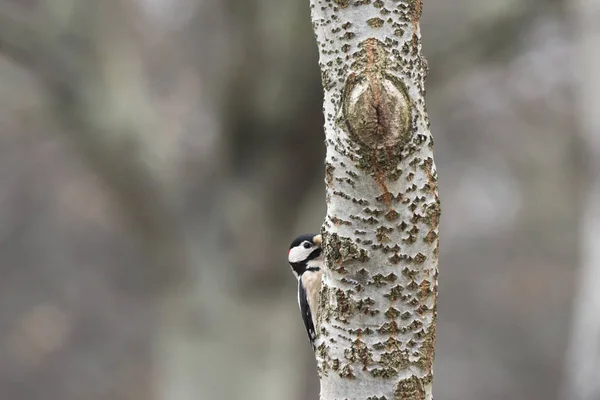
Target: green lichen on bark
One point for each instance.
(375, 22)
(396, 359)
(427, 350)
(359, 353)
(325, 312)
(411, 388)
(339, 251)
(344, 306)
(416, 8)
(347, 372)
(342, 3)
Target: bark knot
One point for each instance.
(376, 106)
(377, 111)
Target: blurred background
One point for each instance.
(157, 157)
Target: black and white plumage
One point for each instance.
(306, 259)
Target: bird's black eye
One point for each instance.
(306, 245)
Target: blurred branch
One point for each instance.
(31, 43)
(582, 365)
(66, 60)
(488, 41)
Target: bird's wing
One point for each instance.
(306, 314)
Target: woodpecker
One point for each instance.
(306, 259)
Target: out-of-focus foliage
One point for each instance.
(157, 156)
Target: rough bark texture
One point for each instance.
(378, 303)
(583, 355)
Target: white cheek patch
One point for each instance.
(298, 254)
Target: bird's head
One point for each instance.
(305, 252)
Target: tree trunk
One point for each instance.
(378, 307)
(583, 356)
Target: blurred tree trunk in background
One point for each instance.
(201, 318)
(582, 372)
(90, 72)
(378, 309)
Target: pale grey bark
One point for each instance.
(378, 304)
(583, 355)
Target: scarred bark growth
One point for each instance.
(378, 304)
(376, 107)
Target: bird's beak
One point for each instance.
(318, 240)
